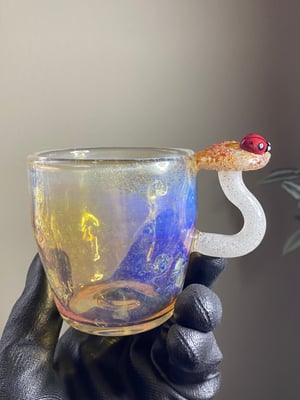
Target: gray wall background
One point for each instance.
(165, 73)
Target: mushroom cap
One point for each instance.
(228, 156)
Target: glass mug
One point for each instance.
(115, 227)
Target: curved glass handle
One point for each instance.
(253, 231)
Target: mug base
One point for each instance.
(118, 330)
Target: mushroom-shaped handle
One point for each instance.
(230, 159)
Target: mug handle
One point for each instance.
(230, 159)
(253, 230)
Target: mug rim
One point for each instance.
(108, 154)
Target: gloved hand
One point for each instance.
(178, 360)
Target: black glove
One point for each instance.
(178, 360)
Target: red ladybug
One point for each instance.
(255, 143)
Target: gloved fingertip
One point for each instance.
(204, 269)
(35, 274)
(193, 352)
(198, 307)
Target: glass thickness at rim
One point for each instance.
(107, 154)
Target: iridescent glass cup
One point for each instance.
(114, 229)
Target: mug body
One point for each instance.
(114, 229)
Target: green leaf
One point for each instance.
(292, 243)
(292, 188)
(282, 174)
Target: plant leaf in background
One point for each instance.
(292, 243)
(282, 175)
(292, 188)
(285, 175)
